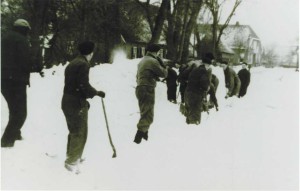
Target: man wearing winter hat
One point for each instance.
(74, 104)
(196, 90)
(232, 81)
(16, 66)
(150, 69)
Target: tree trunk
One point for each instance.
(159, 23)
(174, 29)
(189, 29)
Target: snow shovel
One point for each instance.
(109, 136)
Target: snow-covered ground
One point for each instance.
(250, 143)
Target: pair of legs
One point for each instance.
(16, 98)
(146, 101)
(193, 107)
(182, 88)
(172, 89)
(237, 86)
(76, 113)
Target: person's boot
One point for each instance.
(7, 143)
(19, 137)
(72, 167)
(145, 136)
(139, 136)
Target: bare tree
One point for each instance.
(215, 7)
(270, 57)
(181, 23)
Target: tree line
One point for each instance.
(64, 23)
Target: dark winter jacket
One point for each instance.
(198, 80)
(16, 58)
(232, 81)
(172, 77)
(149, 71)
(77, 79)
(181, 78)
(244, 76)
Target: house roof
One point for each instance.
(242, 28)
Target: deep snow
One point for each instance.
(250, 143)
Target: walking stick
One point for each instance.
(109, 136)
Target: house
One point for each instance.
(244, 42)
(238, 43)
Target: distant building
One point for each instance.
(244, 42)
(238, 43)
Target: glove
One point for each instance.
(101, 94)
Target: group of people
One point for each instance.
(195, 78)
(197, 83)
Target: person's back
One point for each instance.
(74, 104)
(172, 77)
(77, 79)
(149, 71)
(244, 76)
(195, 93)
(15, 57)
(16, 65)
(198, 80)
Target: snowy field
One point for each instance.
(249, 144)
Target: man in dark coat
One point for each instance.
(196, 91)
(232, 81)
(150, 69)
(244, 75)
(74, 104)
(171, 85)
(16, 65)
(182, 80)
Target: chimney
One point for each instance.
(237, 23)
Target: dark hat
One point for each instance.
(245, 63)
(153, 47)
(206, 60)
(86, 47)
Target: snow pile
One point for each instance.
(250, 143)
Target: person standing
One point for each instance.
(244, 75)
(17, 63)
(232, 81)
(182, 80)
(171, 85)
(150, 69)
(75, 105)
(196, 90)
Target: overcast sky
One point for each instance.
(276, 22)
